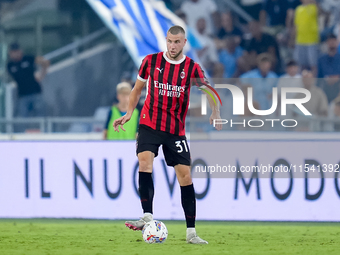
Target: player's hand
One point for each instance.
(215, 115)
(120, 122)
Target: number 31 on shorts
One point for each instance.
(180, 147)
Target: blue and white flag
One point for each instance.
(141, 25)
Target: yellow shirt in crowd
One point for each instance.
(306, 22)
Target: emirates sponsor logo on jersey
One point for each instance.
(166, 89)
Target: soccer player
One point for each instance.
(168, 76)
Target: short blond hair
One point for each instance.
(175, 30)
(123, 86)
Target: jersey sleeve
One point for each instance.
(143, 72)
(199, 78)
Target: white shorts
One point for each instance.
(306, 55)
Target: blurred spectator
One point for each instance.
(260, 43)
(22, 69)
(123, 92)
(262, 80)
(229, 55)
(286, 38)
(274, 14)
(307, 35)
(291, 78)
(228, 29)
(208, 54)
(329, 69)
(196, 9)
(318, 104)
(252, 7)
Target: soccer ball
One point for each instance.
(154, 231)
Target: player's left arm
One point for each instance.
(214, 106)
(213, 99)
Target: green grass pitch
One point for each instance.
(62, 236)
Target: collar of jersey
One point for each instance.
(173, 61)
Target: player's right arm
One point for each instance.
(143, 75)
(133, 101)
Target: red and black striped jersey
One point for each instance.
(168, 91)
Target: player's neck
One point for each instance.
(179, 57)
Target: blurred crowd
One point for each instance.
(284, 43)
(263, 44)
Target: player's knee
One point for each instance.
(185, 179)
(145, 166)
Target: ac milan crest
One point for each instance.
(182, 74)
